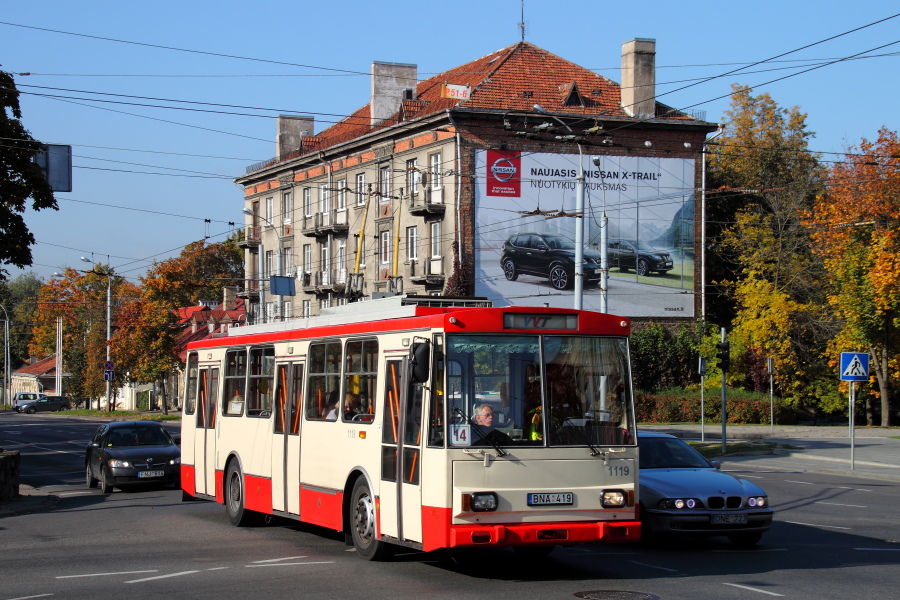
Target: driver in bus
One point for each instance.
(483, 426)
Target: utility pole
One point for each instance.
(724, 357)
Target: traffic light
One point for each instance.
(724, 355)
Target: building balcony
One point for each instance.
(428, 271)
(323, 223)
(428, 203)
(251, 237)
(250, 291)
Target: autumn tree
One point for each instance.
(146, 343)
(764, 263)
(856, 229)
(79, 298)
(20, 179)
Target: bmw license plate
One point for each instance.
(145, 474)
(729, 519)
(553, 498)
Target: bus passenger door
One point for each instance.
(286, 441)
(205, 437)
(401, 455)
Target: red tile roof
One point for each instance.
(43, 368)
(514, 78)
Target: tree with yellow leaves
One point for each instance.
(856, 229)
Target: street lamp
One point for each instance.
(5, 357)
(250, 213)
(109, 276)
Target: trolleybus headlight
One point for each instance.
(758, 501)
(613, 498)
(480, 501)
(119, 463)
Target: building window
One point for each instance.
(270, 264)
(412, 176)
(287, 310)
(287, 208)
(434, 163)
(307, 258)
(324, 204)
(323, 303)
(270, 312)
(307, 202)
(361, 189)
(385, 187)
(342, 195)
(385, 247)
(325, 254)
(270, 210)
(306, 308)
(412, 243)
(287, 262)
(436, 239)
(361, 249)
(342, 261)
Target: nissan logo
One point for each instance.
(503, 169)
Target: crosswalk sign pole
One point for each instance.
(852, 387)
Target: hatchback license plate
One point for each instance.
(729, 519)
(143, 474)
(554, 498)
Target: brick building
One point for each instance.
(422, 189)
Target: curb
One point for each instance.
(28, 504)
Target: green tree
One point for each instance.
(856, 228)
(20, 179)
(766, 266)
(19, 297)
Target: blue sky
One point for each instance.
(170, 177)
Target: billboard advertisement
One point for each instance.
(525, 221)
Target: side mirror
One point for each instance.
(419, 357)
(716, 463)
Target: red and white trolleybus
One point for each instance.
(423, 422)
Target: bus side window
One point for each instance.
(261, 380)
(360, 379)
(235, 382)
(324, 379)
(436, 409)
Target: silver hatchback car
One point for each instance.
(683, 494)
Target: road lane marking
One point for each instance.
(272, 560)
(752, 589)
(179, 574)
(67, 494)
(753, 550)
(106, 574)
(30, 597)
(852, 488)
(803, 482)
(634, 562)
(322, 562)
(838, 504)
(813, 525)
(879, 549)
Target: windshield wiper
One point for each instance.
(581, 433)
(482, 436)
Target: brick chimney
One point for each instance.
(291, 131)
(639, 77)
(392, 83)
(229, 297)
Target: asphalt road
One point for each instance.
(835, 536)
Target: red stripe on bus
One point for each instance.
(187, 479)
(258, 494)
(220, 486)
(435, 528)
(321, 508)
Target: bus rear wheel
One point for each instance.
(234, 497)
(363, 523)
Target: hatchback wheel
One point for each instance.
(106, 484)
(559, 278)
(29, 410)
(89, 478)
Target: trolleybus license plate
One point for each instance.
(554, 498)
(143, 474)
(729, 519)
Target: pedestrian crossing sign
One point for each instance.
(854, 366)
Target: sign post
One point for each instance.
(854, 367)
(702, 370)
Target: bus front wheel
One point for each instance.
(363, 523)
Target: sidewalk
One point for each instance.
(30, 500)
(875, 453)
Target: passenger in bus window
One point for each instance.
(352, 406)
(331, 406)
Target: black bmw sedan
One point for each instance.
(129, 453)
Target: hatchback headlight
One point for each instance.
(175, 461)
(758, 501)
(119, 463)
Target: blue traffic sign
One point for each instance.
(109, 376)
(854, 366)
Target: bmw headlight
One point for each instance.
(680, 503)
(758, 501)
(119, 463)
